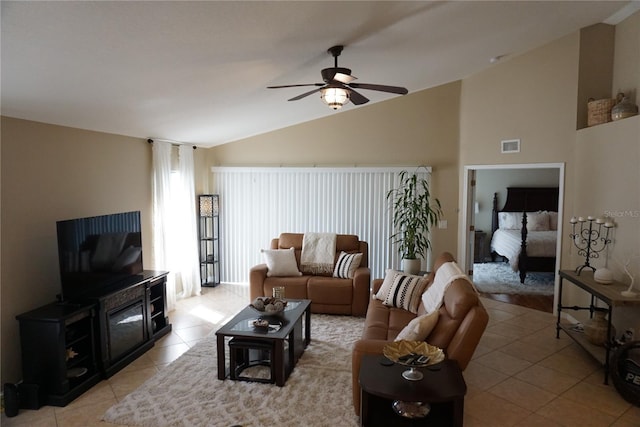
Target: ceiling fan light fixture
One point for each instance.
(334, 97)
(338, 87)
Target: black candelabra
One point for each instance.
(589, 238)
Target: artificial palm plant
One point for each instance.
(414, 213)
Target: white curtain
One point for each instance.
(174, 221)
(186, 226)
(161, 183)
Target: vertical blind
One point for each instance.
(257, 204)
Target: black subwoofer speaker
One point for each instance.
(11, 400)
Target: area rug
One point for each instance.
(188, 392)
(499, 278)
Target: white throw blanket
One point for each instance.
(433, 297)
(318, 253)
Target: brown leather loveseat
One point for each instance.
(328, 294)
(460, 324)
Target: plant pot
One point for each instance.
(411, 266)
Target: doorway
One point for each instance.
(480, 183)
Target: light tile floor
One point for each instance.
(521, 375)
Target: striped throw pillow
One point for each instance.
(347, 265)
(402, 291)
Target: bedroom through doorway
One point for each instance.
(495, 197)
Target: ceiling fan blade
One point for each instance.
(305, 94)
(382, 88)
(330, 74)
(357, 98)
(344, 78)
(308, 84)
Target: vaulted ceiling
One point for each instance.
(197, 72)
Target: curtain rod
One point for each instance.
(175, 144)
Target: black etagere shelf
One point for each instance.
(209, 237)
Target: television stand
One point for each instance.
(67, 348)
(125, 320)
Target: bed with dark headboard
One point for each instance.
(524, 231)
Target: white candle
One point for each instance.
(580, 219)
(608, 224)
(599, 221)
(590, 218)
(573, 220)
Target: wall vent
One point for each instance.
(510, 146)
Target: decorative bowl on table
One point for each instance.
(269, 305)
(414, 354)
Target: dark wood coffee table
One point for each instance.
(442, 386)
(286, 327)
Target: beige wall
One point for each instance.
(626, 60)
(419, 128)
(202, 169)
(595, 71)
(51, 173)
(608, 184)
(607, 176)
(531, 97)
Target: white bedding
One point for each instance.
(539, 244)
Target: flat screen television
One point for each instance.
(97, 252)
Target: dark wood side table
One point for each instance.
(480, 246)
(442, 386)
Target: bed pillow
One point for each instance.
(281, 262)
(347, 265)
(402, 290)
(537, 221)
(553, 220)
(510, 220)
(419, 328)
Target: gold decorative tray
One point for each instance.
(414, 354)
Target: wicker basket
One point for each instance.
(599, 111)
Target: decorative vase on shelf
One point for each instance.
(595, 330)
(624, 108)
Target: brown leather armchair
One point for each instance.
(328, 294)
(461, 323)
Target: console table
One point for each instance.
(442, 386)
(608, 294)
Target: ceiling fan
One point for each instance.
(338, 87)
